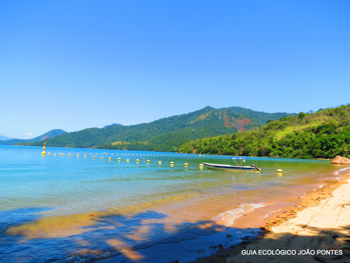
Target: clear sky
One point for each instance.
(79, 64)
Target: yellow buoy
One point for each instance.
(93, 157)
(159, 162)
(119, 159)
(137, 160)
(109, 158)
(148, 161)
(186, 164)
(101, 157)
(279, 171)
(54, 154)
(44, 147)
(62, 154)
(200, 166)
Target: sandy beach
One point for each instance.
(317, 230)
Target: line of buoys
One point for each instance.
(279, 171)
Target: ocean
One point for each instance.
(70, 207)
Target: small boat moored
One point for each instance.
(238, 160)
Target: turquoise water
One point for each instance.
(75, 209)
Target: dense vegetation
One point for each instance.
(168, 133)
(323, 134)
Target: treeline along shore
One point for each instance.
(322, 134)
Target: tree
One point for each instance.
(301, 115)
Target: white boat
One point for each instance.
(238, 166)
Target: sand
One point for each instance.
(317, 230)
(320, 232)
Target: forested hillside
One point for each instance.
(168, 133)
(323, 134)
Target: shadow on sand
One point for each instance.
(141, 237)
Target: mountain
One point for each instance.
(114, 124)
(323, 134)
(4, 138)
(167, 133)
(47, 135)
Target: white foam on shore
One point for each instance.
(229, 217)
(271, 212)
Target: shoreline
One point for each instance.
(296, 228)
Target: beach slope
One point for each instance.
(317, 234)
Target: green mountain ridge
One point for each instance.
(323, 134)
(167, 133)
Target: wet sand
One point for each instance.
(317, 230)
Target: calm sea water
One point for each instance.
(83, 209)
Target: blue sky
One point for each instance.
(81, 64)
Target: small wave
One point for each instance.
(271, 212)
(229, 217)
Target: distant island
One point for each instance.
(4, 138)
(49, 134)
